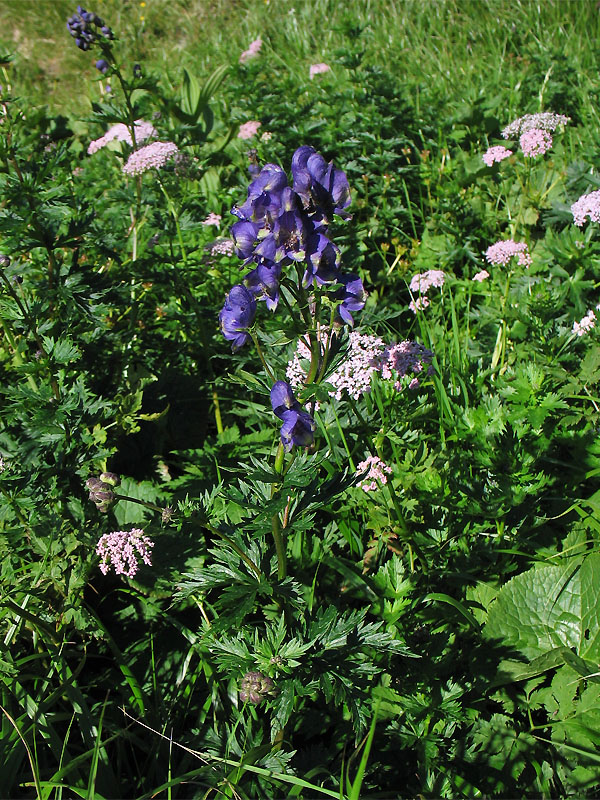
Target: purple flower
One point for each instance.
(319, 184)
(298, 426)
(264, 195)
(352, 296)
(237, 315)
(103, 65)
(263, 282)
(85, 26)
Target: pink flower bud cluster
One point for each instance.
(481, 276)
(535, 142)
(503, 251)
(248, 129)
(376, 475)
(121, 133)
(496, 154)
(152, 156)
(588, 205)
(318, 69)
(586, 324)
(122, 550)
(545, 121)
(253, 50)
(406, 359)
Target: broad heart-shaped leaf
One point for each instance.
(550, 607)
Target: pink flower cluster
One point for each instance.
(318, 69)
(503, 251)
(376, 475)
(122, 550)
(586, 324)
(248, 129)
(354, 375)
(545, 121)
(252, 51)
(422, 283)
(496, 154)
(152, 156)
(367, 354)
(121, 133)
(406, 359)
(535, 142)
(212, 219)
(588, 205)
(481, 276)
(222, 247)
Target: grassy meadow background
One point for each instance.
(436, 637)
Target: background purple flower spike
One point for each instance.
(237, 315)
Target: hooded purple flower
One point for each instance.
(323, 261)
(263, 282)
(237, 315)
(352, 296)
(319, 184)
(264, 195)
(298, 426)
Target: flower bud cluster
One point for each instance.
(255, 687)
(422, 283)
(377, 472)
(85, 27)
(253, 50)
(101, 490)
(586, 324)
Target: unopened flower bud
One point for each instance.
(111, 478)
(167, 514)
(4, 261)
(137, 71)
(255, 687)
(103, 65)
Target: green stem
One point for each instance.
(261, 356)
(275, 526)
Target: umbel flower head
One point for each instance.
(588, 206)
(503, 251)
(152, 156)
(85, 27)
(122, 550)
(119, 132)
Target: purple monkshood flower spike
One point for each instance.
(263, 282)
(298, 426)
(319, 183)
(237, 315)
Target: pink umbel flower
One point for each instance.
(586, 324)
(222, 247)
(212, 219)
(248, 129)
(481, 276)
(423, 281)
(121, 133)
(494, 155)
(122, 550)
(318, 69)
(588, 205)
(353, 376)
(406, 359)
(545, 121)
(152, 156)
(377, 472)
(503, 251)
(535, 142)
(253, 50)
(420, 304)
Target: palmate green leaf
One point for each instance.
(550, 607)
